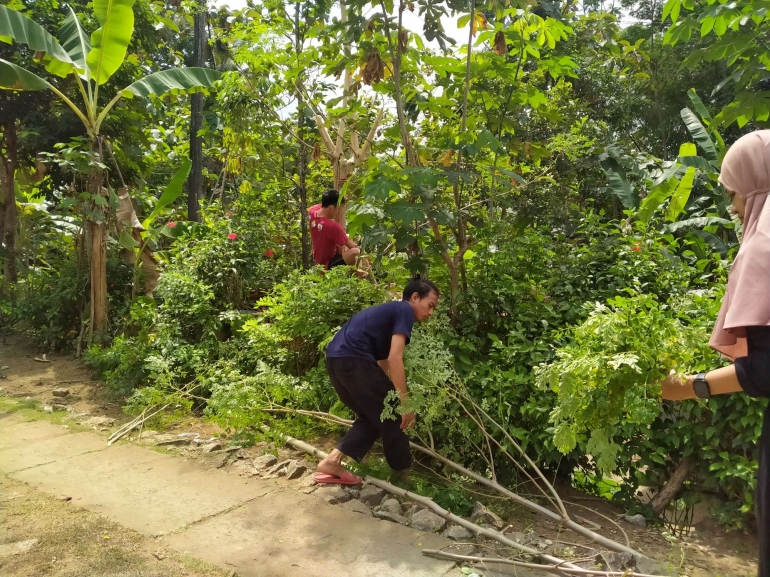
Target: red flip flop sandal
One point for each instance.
(346, 479)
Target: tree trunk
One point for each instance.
(302, 162)
(98, 236)
(9, 219)
(195, 182)
(661, 500)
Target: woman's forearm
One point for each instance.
(721, 381)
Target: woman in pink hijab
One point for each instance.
(742, 331)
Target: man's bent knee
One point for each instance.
(350, 255)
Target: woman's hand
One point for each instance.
(676, 388)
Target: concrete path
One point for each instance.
(255, 527)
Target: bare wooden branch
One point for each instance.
(126, 429)
(372, 132)
(558, 569)
(324, 134)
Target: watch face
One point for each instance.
(702, 389)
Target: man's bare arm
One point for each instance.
(398, 374)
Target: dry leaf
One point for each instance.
(374, 69)
(479, 22)
(446, 158)
(403, 41)
(316, 154)
(500, 47)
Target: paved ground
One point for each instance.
(250, 526)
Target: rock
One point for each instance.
(211, 447)
(427, 521)
(221, 458)
(616, 561)
(295, 470)
(412, 509)
(457, 533)
(391, 506)
(358, 507)
(58, 407)
(637, 520)
(392, 517)
(308, 481)
(60, 392)
(649, 566)
(277, 470)
(460, 549)
(245, 469)
(352, 491)
(521, 538)
(100, 422)
(265, 461)
(541, 544)
(308, 490)
(481, 515)
(48, 409)
(333, 494)
(372, 495)
(173, 442)
(17, 548)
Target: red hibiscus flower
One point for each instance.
(636, 248)
(232, 236)
(228, 213)
(269, 253)
(171, 224)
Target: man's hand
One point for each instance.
(407, 420)
(676, 388)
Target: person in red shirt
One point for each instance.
(331, 246)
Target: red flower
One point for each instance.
(269, 253)
(636, 248)
(232, 236)
(228, 213)
(171, 224)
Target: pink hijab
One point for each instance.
(746, 171)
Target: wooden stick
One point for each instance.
(526, 503)
(559, 568)
(133, 425)
(429, 503)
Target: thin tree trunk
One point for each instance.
(195, 182)
(661, 500)
(98, 237)
(9, 224)
(302, 153)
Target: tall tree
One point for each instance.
(195, 183)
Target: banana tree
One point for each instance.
(92, 62)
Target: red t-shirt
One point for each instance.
(326, 234)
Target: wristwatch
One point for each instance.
(701, 386)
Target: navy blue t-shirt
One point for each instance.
(368, 334)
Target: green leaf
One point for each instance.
(110, 42)
(75, 42)
(699, 222)
(172, 192)
(654, 199)
(698, 162)
(175, 81)
(700, 108)
(713, 241)
(14, 77)
(126, 240)
(681, 195)
(619, 184)
(402, 211)
(699, 133)
(468, 255)
(381, 188)
(462, 21)
(688, 149)
(671, 8)
(16, 25)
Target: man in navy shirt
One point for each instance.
(365, 362)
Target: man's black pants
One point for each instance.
(362, 386)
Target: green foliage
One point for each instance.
(612, 368)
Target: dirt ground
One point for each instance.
(42, 535)
(83, 550)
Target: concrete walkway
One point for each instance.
(255, 527)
